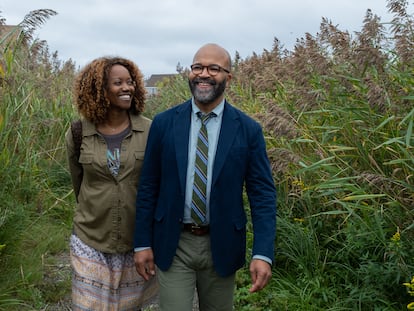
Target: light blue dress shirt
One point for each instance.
(213, 130)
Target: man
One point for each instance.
(190, 219)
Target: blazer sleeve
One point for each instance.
(261, 193)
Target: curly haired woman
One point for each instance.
(109, 95)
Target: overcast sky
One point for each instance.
(158, 35)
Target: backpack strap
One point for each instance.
(76, 127)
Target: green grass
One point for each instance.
(338, 119)
(37, 208)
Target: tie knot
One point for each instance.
(205, 117)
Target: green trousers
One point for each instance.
(192, 268)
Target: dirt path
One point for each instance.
(56, 280)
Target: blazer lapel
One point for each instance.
(181, 132)
(229, 127)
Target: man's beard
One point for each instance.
(207, 97)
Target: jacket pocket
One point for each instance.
(240, 223)
(85, 159)
(159, 215)
(238, 152)
(138, 158)
(139, 155)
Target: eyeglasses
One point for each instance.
(213, 69)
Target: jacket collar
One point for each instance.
(88, 128)
(136, 123)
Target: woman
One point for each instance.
(109, 95)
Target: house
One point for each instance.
(151, 84)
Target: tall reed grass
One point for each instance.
(35, 208)
(338, 116)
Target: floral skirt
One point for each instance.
(103, 281)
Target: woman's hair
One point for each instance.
(90, 89)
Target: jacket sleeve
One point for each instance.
(261, 192)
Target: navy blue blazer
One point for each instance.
(241, 160)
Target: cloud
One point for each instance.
(159, 34)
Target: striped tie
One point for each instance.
(199, 200)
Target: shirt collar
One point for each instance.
(218, 110)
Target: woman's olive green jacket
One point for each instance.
(105, 210)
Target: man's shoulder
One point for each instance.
(244, 117)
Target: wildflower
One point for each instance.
(410, 287)
(396, 237)
(299, 183)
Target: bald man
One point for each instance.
(191, 235)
